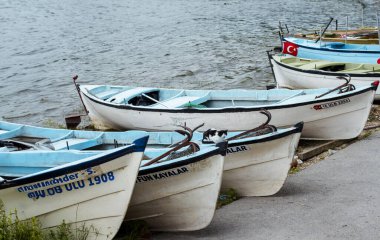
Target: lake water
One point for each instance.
(209, 44)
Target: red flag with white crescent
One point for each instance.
(290, 48)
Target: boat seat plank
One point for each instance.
(181, 101)
(297, 64)
(10, 134)
(126, 95)
(355, 71)
(319, 65)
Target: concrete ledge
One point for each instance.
(308, 148)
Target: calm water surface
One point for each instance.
(162, 43)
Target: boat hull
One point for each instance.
(184, 200)
(260, 168)
(76, 199)
(322, 117)
(293, 78)
(328, 51)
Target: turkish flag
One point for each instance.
(290, 48)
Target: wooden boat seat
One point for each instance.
(125, 96)
(297, 64)
(319, 65)
(181, 101)
(356, 71)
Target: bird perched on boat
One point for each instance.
(213, 135)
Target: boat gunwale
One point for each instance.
(329, 73)
(332, 49)
(165, 165)
(228, 109)
(297, 128)
(72, 167)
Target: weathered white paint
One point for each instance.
(183, 202)
(340, 122)
(262, 169)
(292, 79)
(102, 206)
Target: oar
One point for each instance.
(72, 121)
(324, 30)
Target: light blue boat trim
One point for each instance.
(337, 52)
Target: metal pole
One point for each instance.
(336, 24)
(345, 37)
(324, 30)
(362, 16)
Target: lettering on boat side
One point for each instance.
(236, 149)
(161, 175)
(62, 185)
(331, 104)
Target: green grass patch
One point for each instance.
(134, 230)
(50, 123)
(294, 170)
(226, 197)
(12, 228)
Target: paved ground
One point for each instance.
(338, 198)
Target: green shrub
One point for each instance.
(226, 197)
(12, 228)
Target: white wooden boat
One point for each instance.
(251, 166)
(179, 194)
(259, 166)
(336, 115)
(82, 189)
(298, 73)
(167, 193)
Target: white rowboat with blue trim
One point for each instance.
(57, 186)
(299, 73)
(336, 115)
(178, 194)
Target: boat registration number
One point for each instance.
(66, 183)
(331, 104)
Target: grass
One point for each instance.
(134, 230)
(86, 124)
(226, 197)
(50, 123)
(12, 228)
(294, 170)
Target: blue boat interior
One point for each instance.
(18, 164)
(29, 161)
(64, 139)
